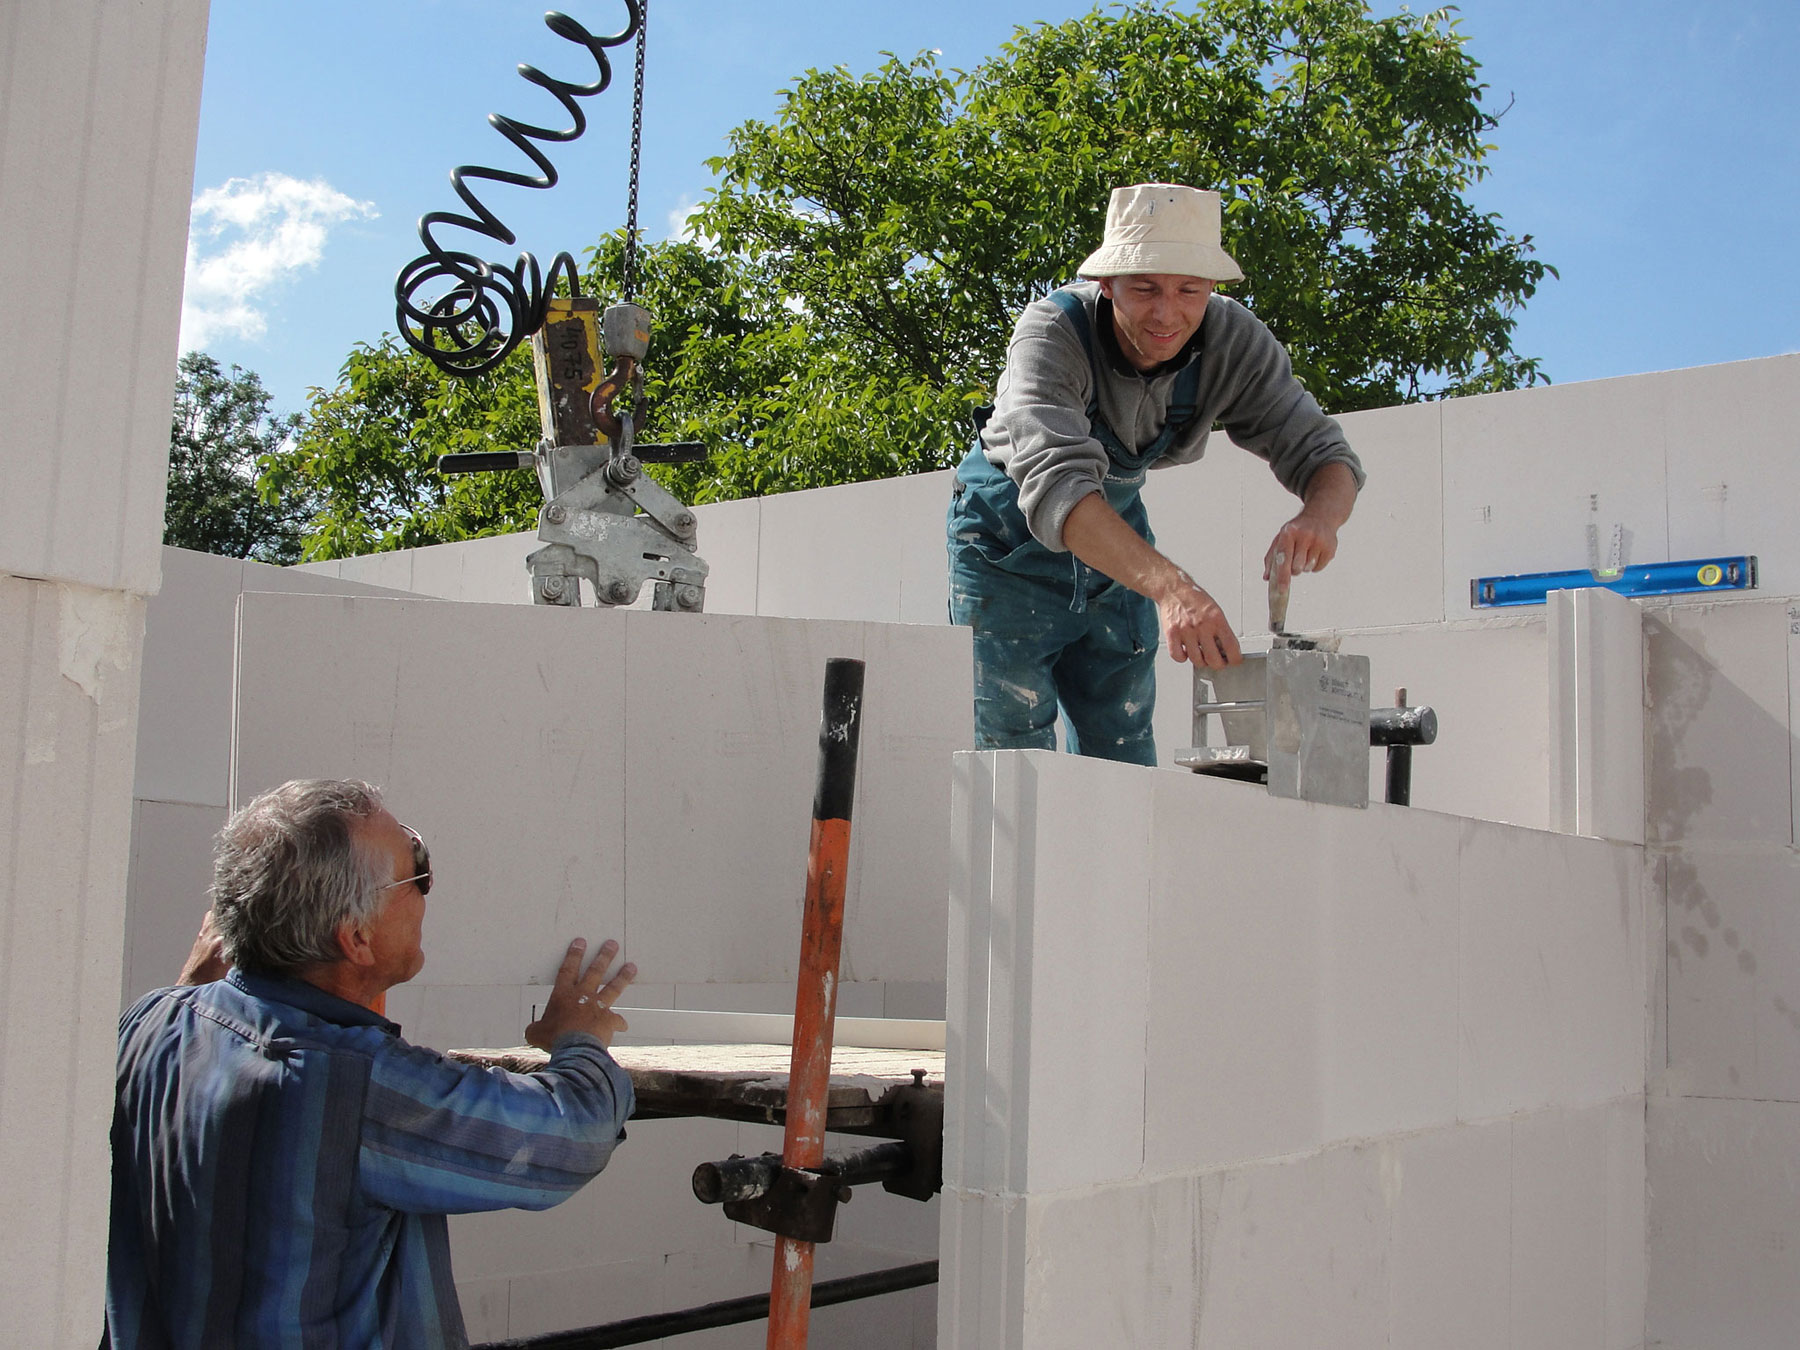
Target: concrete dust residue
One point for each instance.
(94, 636)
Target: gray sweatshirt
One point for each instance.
(1039, 432)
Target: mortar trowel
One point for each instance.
(1278, 608)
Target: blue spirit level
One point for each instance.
(1669, 578)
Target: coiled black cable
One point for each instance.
(490, 308)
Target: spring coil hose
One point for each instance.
(490, 308)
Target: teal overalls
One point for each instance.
(1049, 630)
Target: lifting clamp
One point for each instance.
(604, 520)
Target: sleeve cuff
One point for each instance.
(1053, 511)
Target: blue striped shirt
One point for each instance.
(283, 1162)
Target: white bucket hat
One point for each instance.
(1162, 227)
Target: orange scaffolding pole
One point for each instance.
(815, 1000)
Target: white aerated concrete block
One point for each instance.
(1530, 483)
(98, 147)
(1116, 1267)
(968, 1030)
(1393, 1072)
(1721, 767)
(497, 731)
(1724, 1262)
(1625, 1152)
(919, 708)
(1733, 479)
(1558, 1232)
(721, 756)
(1069, 914)
(1388, 970)
(493, 570)
(1734, 972)
(485, 1305)
(1451, 1252)
(921, 505)
(730, 539)
(982, 1253)
(168, 890)
(640, 1208)
(1488, 686)
(440, 571)
(560, 761)
(1295, 1253)
(68, 724)
(1553, 998)
(391, 570)
(1503, 1234)
(1596, 677)
(914, 999)
(1235, 1003)
(1084, 927)
(831, 553)
(448, 1016)
(184, 732)
(563, 1298)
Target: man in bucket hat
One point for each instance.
(1052, 561)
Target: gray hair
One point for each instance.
(289, 869)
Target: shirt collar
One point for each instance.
(309, 998)
(1115, 355)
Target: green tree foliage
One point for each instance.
(221, 432)
(368, 453)
(913, 213)
(863, 255)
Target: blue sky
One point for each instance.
(1650, 151)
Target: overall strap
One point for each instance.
(1184, 399)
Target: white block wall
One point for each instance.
(182, 782)
(643, 775)
(1689, 463)
(1234, 1071)
(1724, 690)
(98, 109)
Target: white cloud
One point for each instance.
(245, 238)
(681, 223)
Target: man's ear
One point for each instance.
(1105, 286)
(353, 942)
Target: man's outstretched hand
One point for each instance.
(578, 999)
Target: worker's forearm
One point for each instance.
(1193, 625)
(1096, 534)
(1330, 494)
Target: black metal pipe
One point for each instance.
(1399, 775)
(728, 1312)
(735, 1178)
(740, 1178)
(840, 732)
(1403, 726)
(486, 461)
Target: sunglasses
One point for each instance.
(421, 864)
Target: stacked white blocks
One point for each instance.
(100, 105)
(1724, 1109)
(1233, 1071)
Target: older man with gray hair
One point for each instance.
(282, 1160)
